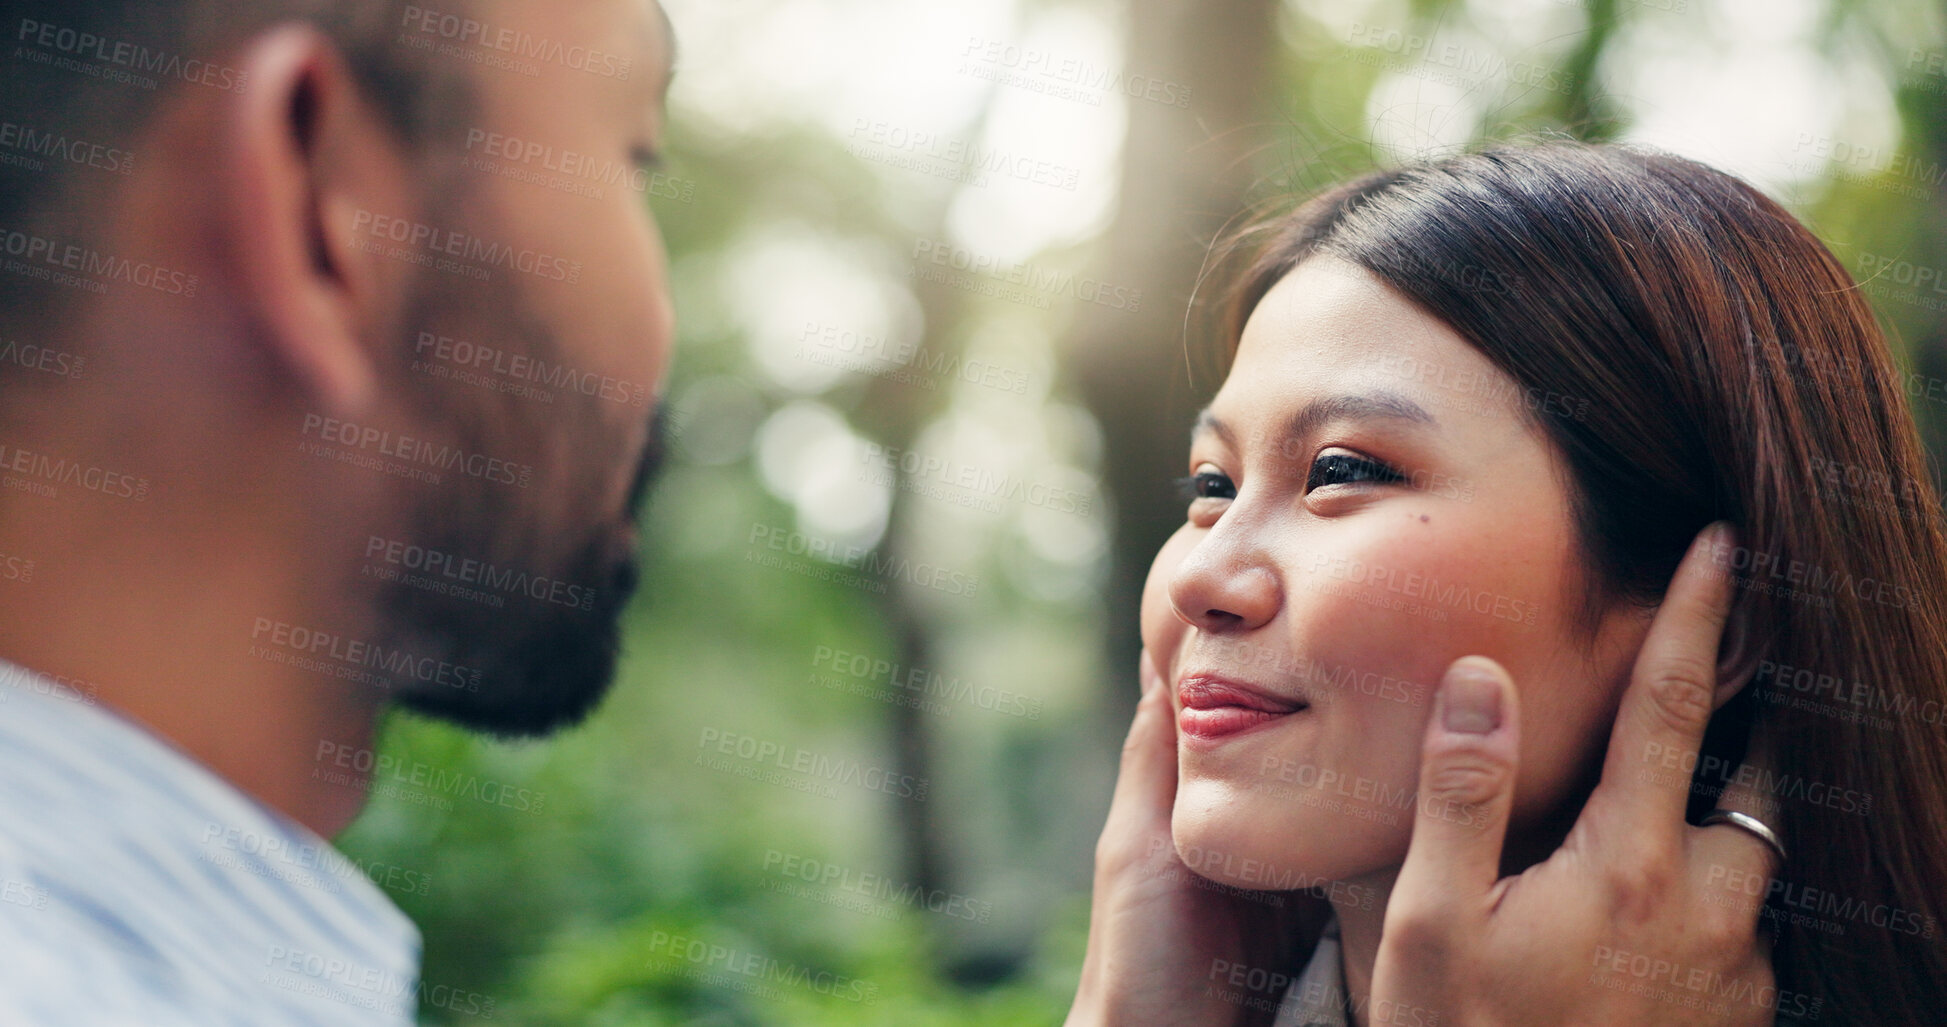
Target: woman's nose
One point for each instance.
(1226, 583)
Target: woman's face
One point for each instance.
(1369, 504)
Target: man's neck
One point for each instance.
(188, 629)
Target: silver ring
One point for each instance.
(1748, 823)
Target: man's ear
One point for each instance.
(303, 156)
(1739, 652)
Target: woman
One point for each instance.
(1483, 407)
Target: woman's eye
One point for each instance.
(1344, 468)
(1206, 485)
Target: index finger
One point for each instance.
(1671, 695)
(1145, 786)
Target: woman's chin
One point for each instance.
(1244, 841)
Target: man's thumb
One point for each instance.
(1468, 760)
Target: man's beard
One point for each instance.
(517, 665)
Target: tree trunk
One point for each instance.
(1186, 172)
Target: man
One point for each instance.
(330, 336)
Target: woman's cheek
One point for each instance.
(1429, 592)
(1162, 630)
(1370, 611)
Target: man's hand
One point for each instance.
(1164, 945)
(1630, 921)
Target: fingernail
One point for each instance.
(1718, 539)
(1470, 699)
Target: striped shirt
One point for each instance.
(138, 887)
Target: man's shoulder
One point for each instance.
(141, 880)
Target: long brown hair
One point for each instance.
(1695, 353)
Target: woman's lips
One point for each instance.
(1215, 708)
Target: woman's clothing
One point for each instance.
(1317, 998)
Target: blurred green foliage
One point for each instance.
(574, 901)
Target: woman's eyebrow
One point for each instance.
(1371, 406)
(1209, 424)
